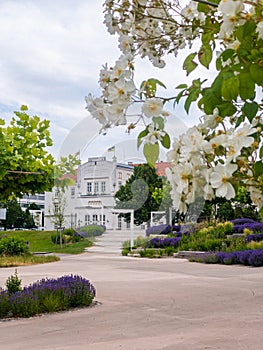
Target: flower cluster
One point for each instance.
(241, 224)
(118, 87)
(163, 243)
(224, 150)
(159, 229)
(204, 162)
(244, 257)
(47, 295)
(257, 237)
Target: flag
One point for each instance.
(111, 149)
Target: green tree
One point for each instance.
(25, 164)
(14, 214)
(138, 192)
(16, 217)
(62, 179)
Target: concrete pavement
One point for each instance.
(145, 304)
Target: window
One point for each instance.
(87, 219)
(96, 187)
(119, 175)
(119, 184)
(95, 219)
(73, 192)
(89, 187)
(103, 187)
(56, 192)
(103, 221)
(55, 208)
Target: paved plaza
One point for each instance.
(145, 304)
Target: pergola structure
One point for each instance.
(155, 213)
(131, 212)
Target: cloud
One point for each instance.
(51, 55)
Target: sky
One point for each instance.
(51, 55)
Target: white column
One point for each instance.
(132, 228)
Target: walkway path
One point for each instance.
(111, 241)
(146, 304)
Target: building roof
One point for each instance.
(160, 168)
(71, 176)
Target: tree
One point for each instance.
(138, 192)
(62, 179)
(25, 165)
(16, 217)
(224, 151)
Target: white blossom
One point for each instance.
(152, 107)
(219, 180)
(154, 134)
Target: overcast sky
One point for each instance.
(51, 55)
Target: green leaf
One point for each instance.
(189, 65)
(149, 86)
(226, 109)
(166, 142)
(249, 28)
(159, 122)
(261, 152)
(141, 135)
(246, 86)
(205, 55)
(258, 168)
(191, 98)
(230, 88)
(178, 97)
(250, 110)
(151, 152)
(24, 108)
(257, 73)
(181, 86)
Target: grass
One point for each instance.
(40, 241)
(12, 261)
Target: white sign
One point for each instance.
(3, 214)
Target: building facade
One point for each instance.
(90, 200)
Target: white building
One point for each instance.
(91, 199)
(37, 214)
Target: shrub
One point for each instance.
(4, 304)
(159, 229)
(91, 231)
(13, 283)
(162, 243)
(55, 238)
(23, 304)
(256, 258)
(254, 237)
(150, 253)
(47, 295)
(253, 226)
(246, 257)
(69, 232)
(11, 246)
(242, 221)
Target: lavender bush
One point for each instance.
(244, 257)
(163, 243)
(159, 229)
(48, 295)
(257, 237)
(242, 221)
(241, 224)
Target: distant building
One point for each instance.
(37, 214)
(90, 199)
